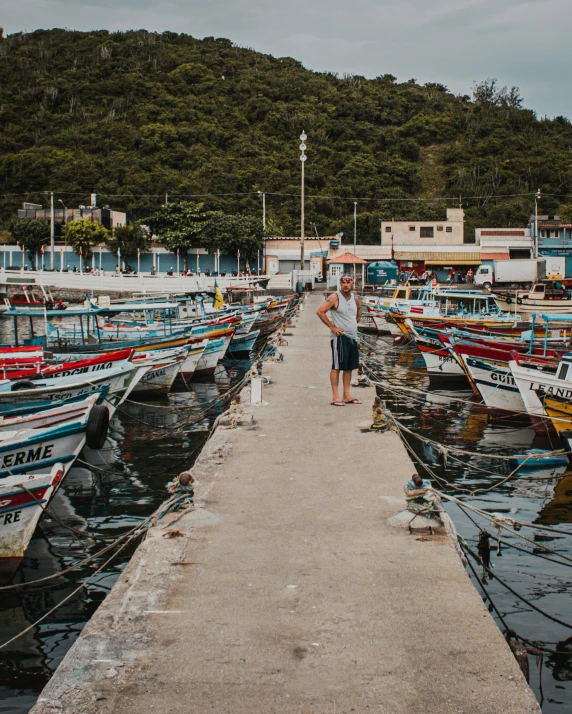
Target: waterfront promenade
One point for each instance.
(286, 590)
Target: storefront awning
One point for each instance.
(500, 255)
(466, 261)
(441, 257)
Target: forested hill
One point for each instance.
(135, 115)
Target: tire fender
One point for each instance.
(22, 384)
(97, 426)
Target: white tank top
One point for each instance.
(345, 317)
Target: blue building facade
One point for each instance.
(554, 239)
(198, 261)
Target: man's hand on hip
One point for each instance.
(338, 332)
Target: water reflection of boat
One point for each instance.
(23, 663)
(503, 439)
(559, 509)
(62, 509)
(538, 483)
(561, 663)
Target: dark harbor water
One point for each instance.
(116, 488)
(542, 497)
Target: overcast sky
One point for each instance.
(454, 42)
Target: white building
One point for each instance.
(504, 243)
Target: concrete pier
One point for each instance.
(286, 590)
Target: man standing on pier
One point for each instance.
(345, 313)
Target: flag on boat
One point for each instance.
(42, 250)
(119, 252)
(217, 300)
(79, 252)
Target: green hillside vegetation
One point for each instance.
(134, 115)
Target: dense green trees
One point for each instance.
(128, 240)
(232, 235)
(183, 225)
(83, 235)
(134, 116)
(178, 225)
(32, 234)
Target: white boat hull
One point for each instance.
(192, 359)
(210, 357)
(161, 376)
(530, 307)
(118, 382)
(495, 384)
(37, 450)
(441, 365)
(529, 381)
(22, 500)
(48, 417)
(243, 343)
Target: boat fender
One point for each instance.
(22, 384)
(509, 301)
(519, 301)
(97, 426)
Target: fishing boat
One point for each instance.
(547, 296)
(23, 498)
(538, 459)
(164, 366)
(534, 380)
(488, 366)
(440, 363)
(118, 382)
(194, 354)
(243, 343)
(71, 365)
(267, 324)
(47, 418)
(29, 298)
(36, 450)
(403, 295)
(559, 410)
(209, 359)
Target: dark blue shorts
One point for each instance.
(345, 353)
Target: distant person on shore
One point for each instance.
(345, 313)
(470, 275)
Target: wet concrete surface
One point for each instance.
(286, 590)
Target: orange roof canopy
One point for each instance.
(348, 259)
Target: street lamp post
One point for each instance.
(355, 237)
(536, 197)
(263, 194)
(65, 225)
(303, 158)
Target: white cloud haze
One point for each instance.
(453, 42)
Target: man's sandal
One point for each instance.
(353, 401)
(338, 404)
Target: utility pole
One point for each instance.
(536, 197)
(355, 237)
(303, 158)
(263, 194)
(52, 231)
